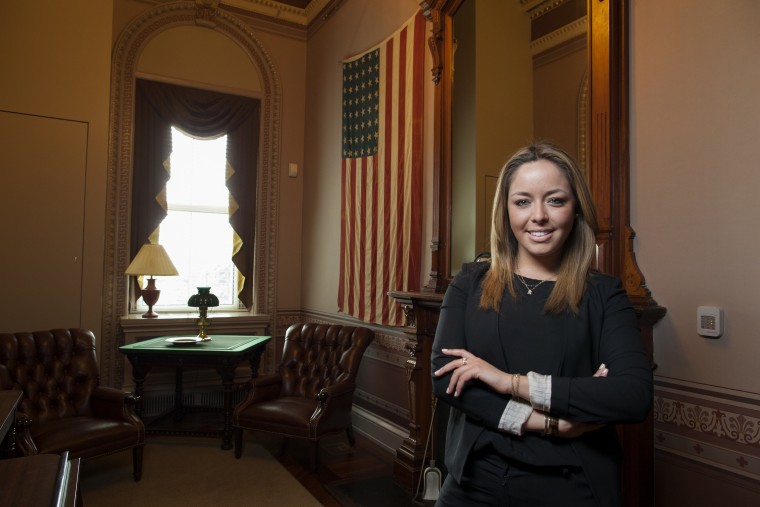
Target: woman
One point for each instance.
(538, 354)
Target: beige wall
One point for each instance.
(492, 115)
(695, 127)
(55, 64)
(356, 26)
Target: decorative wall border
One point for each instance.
(708, 424)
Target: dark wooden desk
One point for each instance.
(9, 400)
(223, 353)
(40, 480)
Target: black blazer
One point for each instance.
(605, 331)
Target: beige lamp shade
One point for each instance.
(151, 260)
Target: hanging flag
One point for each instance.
(381, 194)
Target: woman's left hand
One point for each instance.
(466, 366)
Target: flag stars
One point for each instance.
(360, 109)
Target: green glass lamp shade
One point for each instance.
(204, 298)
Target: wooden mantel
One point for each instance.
(421, 311)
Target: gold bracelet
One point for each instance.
(546, 425)
(516, 386)
(553, 426)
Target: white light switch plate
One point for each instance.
(709, 321)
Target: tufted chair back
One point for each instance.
(64, 407)
(311, 395)
(57, 371)
(317, 356)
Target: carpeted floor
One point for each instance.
(374, 492)
(191, 471)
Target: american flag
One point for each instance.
(381, 195)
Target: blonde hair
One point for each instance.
(578, 251)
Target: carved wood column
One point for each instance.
(421, 310)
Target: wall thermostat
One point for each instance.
(709, 321)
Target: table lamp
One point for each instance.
(151, 260)
(203, 300)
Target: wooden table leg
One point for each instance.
(139, 372)
(179, 395)
(227, 372)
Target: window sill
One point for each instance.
(136, 328)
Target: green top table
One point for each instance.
(222, 352)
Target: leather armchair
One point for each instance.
(64, 407)
(311, 394)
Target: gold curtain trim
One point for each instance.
(161, 200)
(237, 241)
(233, 205)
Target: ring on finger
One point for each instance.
(464, 361)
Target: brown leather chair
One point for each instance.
(311, 394)
(63, 406)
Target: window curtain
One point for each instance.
(203, 114)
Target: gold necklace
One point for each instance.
(529, 288)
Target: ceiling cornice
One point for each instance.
(283, 12)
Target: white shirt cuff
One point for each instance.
(540, 387)
(514, 417)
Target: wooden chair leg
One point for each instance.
(238, 437)
(137, 458)
(314, 458)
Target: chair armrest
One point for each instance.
(263, 388)
(24, 443)
(334, 398)
(337, 390)
(111, 403)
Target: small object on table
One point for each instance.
(184, 340)
(203, 300)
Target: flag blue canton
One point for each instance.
(361, 102)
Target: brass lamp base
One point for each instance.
(202, 323)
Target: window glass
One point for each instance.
(196, 232)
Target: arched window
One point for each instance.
(128, 48)
(201, 114)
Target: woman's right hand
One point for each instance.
(565, 428)
(574, 429)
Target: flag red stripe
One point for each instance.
(372, 240)
(389, 173)
(343, 235)
(351, 209)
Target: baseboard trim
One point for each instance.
(383, 433)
